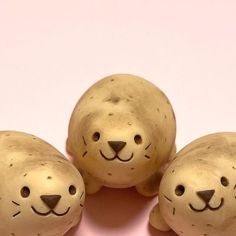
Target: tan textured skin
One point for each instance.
(198, 167)
(27, 161)
(120, 107)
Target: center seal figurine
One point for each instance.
(120, 133)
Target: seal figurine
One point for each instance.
(120, 132)
(197, 194)
(41, 192)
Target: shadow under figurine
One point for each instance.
(197, 194)
(41, 192)
(121, 131)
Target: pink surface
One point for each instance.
(51, 51)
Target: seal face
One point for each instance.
(118, 132)
(124, 149)
(39, 188)
(197, 192)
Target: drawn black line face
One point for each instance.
(50, 201)
(205, 196)
(116, 147)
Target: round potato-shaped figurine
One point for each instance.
(121, 131)
(41, 193)
(197, 194)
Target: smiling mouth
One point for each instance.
(116, 157)
(50, 212)
(208, 207)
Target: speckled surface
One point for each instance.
(52, 51)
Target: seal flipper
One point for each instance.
(157, 221)
(150, 187)
(91, 185)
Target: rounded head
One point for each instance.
(46, 199)
(117, 130)
(41, 193)
(197, 192)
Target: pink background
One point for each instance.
(52, 51)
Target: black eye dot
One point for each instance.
(179, 190)
(72, 190)
(96, 136)
(138, 139)
(224, 181)
(25, 192)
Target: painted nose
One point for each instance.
(206, 195)
(50, 200)
(117, 146)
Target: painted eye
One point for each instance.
(179, 190)
(25, 192)
(138, 139)
(72, 190)
(96, 136)
(224, 181)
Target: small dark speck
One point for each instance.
(173, 211)
(110, 114)
(129, 123)
(193, 225)
(208, 225)
(43, 164)
(233, 167)
(91, 97)
(7, 134)
(165, 116)
(208, 147)
(25, 174)
(84, 153)
(49, 177)
(158, 109)
(30, 154)
(10, 165)
(38, 234)
(112, 80)
(12, 234)
(173, 115)
(110, 174)
(115, 99)
(205, 234)
(172, 171)
(132, 168)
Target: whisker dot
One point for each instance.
(85, 153)
(17, 214)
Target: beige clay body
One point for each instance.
(121, 131)
(197, 194)
(41, 193)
